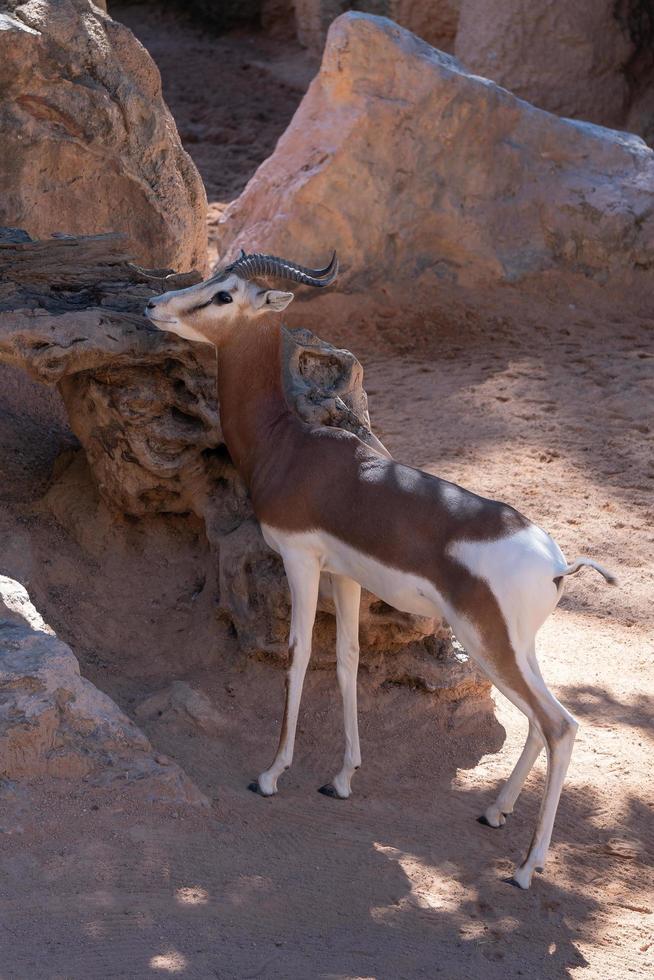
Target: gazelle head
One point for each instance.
(208, 310)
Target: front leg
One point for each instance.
(347, 599)
(303, 573)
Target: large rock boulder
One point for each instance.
(54, 722)
(438, 189)
(143, 405)
(589, 60)
(88, 142)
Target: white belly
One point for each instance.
(519, 570)
(403, 590)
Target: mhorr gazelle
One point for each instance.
(329, 503)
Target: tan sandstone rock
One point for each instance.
(54, 722)
(437, 187)
(182, 706)
(88, 142)
(568, 58)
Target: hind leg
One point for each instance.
(557, 728)
(496, 813)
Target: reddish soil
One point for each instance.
(400, 881)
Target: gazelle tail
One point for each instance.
(581, 562)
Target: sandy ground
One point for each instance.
(400, 881)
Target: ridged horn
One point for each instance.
(257, 264)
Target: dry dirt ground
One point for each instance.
(400, 881)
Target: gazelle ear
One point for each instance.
(274, 299)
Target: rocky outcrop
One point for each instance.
(568, 58)
(142, 402)
(182, 707)
(589, 60)
(54, 722)
(437, 187)
(143, 405)
(88, 142)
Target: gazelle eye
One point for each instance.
(222, 297)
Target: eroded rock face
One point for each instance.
(568, 58)
(436, 186)
(88, 142)
(54, 722)
(588, 60)
(143, 405)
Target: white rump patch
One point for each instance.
(520, 571)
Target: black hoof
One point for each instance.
(512, 881)
(255, 788)
(484, 822)
(328, 790)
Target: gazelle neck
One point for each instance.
(253, 405)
